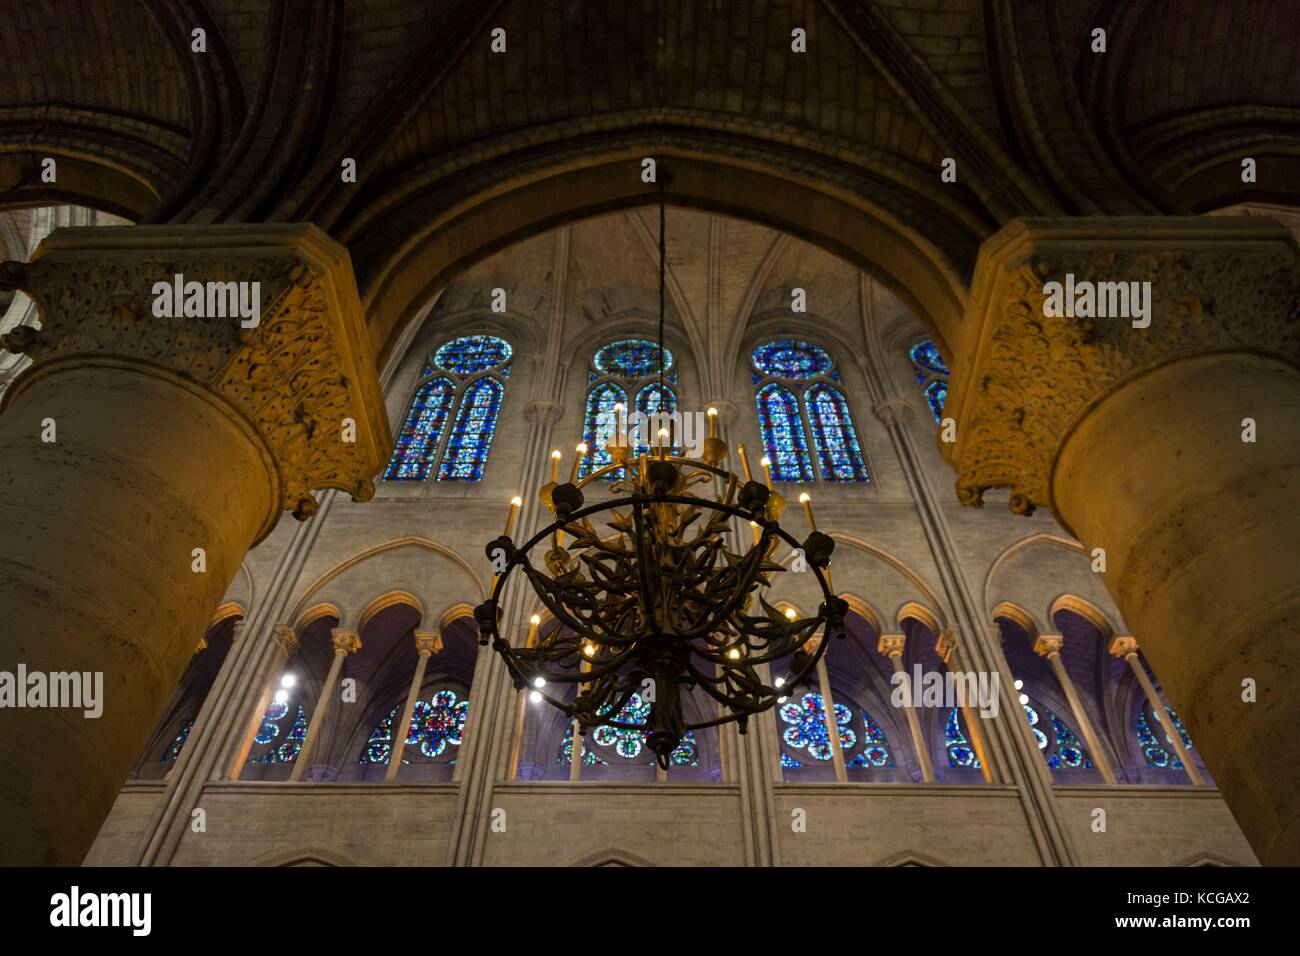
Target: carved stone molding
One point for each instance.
(294, 378)
(892, 411)
(539, 412)
(891, 644)
(1023, 380)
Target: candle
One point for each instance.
(767, 470)
(515, 502)
(744, 462)
(555, 466)
(533, 623)
(663, 442)
(806, 500)
(713, 423)
(577, 461)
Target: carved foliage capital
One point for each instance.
(1029, 377)
(295, 377)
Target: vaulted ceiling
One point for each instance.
(460, 150)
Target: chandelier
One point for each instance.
(657, 590)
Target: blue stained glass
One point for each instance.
(925, 354)
(834, 438)
(472, 353)
(806, 726)
(1063, 751)
(787, 358)
(471, 435)
(418, 441)
(788, 761)
(504, 371)
(438, 723)
(653, 400)
(631, 359)
(270, 731)
(783, 437)
(627, 743)
(175, 750)
(599, 424)
(936, 393)
(565, 756)
(1153, 747)
(960, 753)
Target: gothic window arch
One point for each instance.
(932, 374)
(806, 740)
(453, 416)
(619, 369)
(958, 745)
(1058, 744)
(803, 414)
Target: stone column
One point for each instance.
(1049, 646)
(945, 646)
(1170, 445)
(141, 457)
(832, 725)
(1126, 647)
(427, 643)
(891, 645)
(345, 643)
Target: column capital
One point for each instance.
(287, 638)
(1123, 646)
(728, 411)
(1024, 378)
(539, 412)
(945, 644)
(891, 644)
(428, 642)
(344, 641)
(892, 411)
(292, 379)
(1047, 645)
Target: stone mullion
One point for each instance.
(427, 643)
(1050, 646)
(345, 642)
(1012, 760)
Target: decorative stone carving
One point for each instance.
(294, 378)
(1025, 379)
(892, 411)
(539, 412)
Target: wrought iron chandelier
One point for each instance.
(656, 591)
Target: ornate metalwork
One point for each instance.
(663, 598)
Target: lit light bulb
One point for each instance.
(281, 696)
(516, 501)
(712, 411)
(1019, 684)
(582, 448)
(589, 649)
(805, 498)
(288, 680)
(535, 696)
(556, 454)
(779, 682)
(535, 620)
(539, 682)
(1024, 698)
(782, 700)
(791, 613)
(734, 654)
(765, 462)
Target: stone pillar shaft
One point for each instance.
(1169, 441)
(427, 643)
(1049, 646)
(1127, 648)
(832, 725)
(345, 642)
(891, 645)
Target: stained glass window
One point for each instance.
(417, 445)
(787, 358)
(437, 728)
(631, 359)
(783, 435)
(270, 732)
(478, 367)
(805, 732)
(174, 751)
(599, 424)
(654, 400)
(785, 421)
(1159, 749)
(932, 373)
(960, 753)
(834, 439)
(606, 744)
(1062, 750)
(472, 353)
(471, 435)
